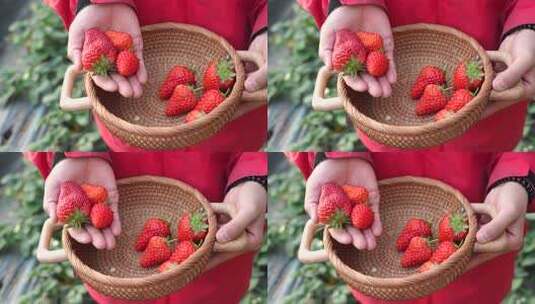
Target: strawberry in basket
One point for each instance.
(432, 100)
(192, 227)
(177, 75)
(413, 228)
(428, 75)
(152, 227)
(182, 252)
(453, 227)
(182, 101)
(418, 252)
(468, 75)
(219, 75)
(156, 253)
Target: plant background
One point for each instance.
(293, 42)
(40, 40)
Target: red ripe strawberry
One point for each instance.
(209, 101)
(418, 252)
(459, 99)
(377, 64)
(443, 252)
(120, 40)
(152, 227)
(349, 54)
(428, 75)
(177, 75)
(356, 194)
(452, 227)
(414, 227)
(98, 53)
(426, 266)
(127, 63)
(96, 194)
(219, 75)
(192, 227)
(73, 206)
(101, 216)
(168, 265)
(443, 114)
(372, 41)
(362, 216)
(194, 115)
(156, 253)
(432, 101)
(183, 251)
(182, 101)
(468, 76)
(334, 207)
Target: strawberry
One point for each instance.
(459, 99)
(152, 227)
(372, 41)
(414, 227)
(96, 194)
(468, 75)
(418, 252)
(432, 101)
(194, 115)
(426, 266)
(443, 114)
(127, 63)
(219, 75)
(98, 53)
(362, 216)
(443, 252)
(209, 101)
(377, 64)
(452, 227)
(167, 265)
(334, 207)
(192, 226)
(73, 206)
(101, 216)
(349, 54)
(183, 251)
(182, 101)
(157, 252)
(428, 75)
(177, 75)
(356, 194)
(120, 40)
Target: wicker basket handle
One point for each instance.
(66, 102)
(515, 93)
(498, 245)
(44, 255)
(237, 245)
(305, 254)
(259, 96)
(319, 102)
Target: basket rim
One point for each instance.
(164, 131)
(205, 248)
(431, 126)
(465, 249)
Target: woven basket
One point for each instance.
(116, 272)
(392, 121)
(378, 273)
(141, 122)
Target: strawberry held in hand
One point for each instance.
(428, 75)
(219, 75)
(334, 207)
(349, 54)
(192, 227)
(183, 251)
(362, 216)
(209, 101)
(152, 227)
(73, 206)
(101, 216)
(356, 194)
(120, 40)
(377, 64)
(452, 227)
(182, 101)
(127, 63)
(177, 75)
(96, 194)
(443, 251)
(372, 41)
(414, 227)
(418, 252)
(468, 75)
(432, 101)
(98, 53)
(157, 252)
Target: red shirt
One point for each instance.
(470, 173)
(235, 20)
(486, 21)
(210, 173)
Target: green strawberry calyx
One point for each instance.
(458, 223)
(353, 67)
(224, 70)
(473, 70)
(198, 222)
(77, 219)
(338, 219)
(102, 66)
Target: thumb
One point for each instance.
(235, 227)
(512, 75)
(493, 229)
(256, 80)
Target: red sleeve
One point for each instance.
(259, 17)
(66, 9)
(519, 12)
(104, 155)
(247, 164)
(304, 161)
(512, 164)
(319, 9)
(42, 160)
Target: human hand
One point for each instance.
(85, 170)
(257, 79)
(352, 171)
(117, 17)
(249, 199)
(369, 18)
(520, 46)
